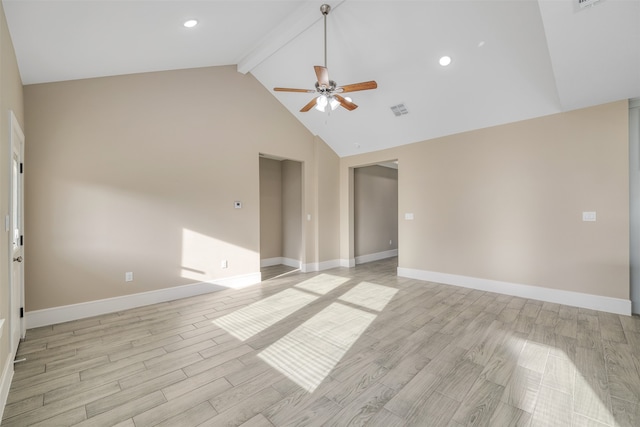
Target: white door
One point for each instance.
(16, 221)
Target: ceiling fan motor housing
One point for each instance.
(323, 89)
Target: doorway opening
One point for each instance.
(375, 212)
(281, 248)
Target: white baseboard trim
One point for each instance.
(51, 316)
(377, 256)
(320, 266)
(348, 263)
(289, 262)
(558, 296)
(305, 268)
(328, 265)
(270, 262)
(5, 382)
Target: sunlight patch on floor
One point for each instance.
(308, 353)
(252, 319)
(322, 284)
(547, 383)
(279, 276)
(369, 295)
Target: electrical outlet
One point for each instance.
(390, 243)
(224, 264)
(128, 276)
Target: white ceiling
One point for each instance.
(512, 59)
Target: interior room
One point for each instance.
(300, 212)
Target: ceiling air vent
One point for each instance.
(399, 110)
(585, 3)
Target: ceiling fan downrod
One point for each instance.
(325, 8)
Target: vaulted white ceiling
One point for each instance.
(511, 59)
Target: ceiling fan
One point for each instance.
(329, 92)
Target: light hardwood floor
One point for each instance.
(343, 347)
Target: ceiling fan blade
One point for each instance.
(346, 104)
(323, 75)
(288, 89)
(359, 86)
(309, 106)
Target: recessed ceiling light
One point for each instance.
(445, 60)
(190, 23)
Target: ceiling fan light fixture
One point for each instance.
(321, 103)
(334, 103)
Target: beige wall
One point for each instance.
(375, 210)
(325, 211)
(270, 208)
(10, 100)
(139, 173)
(505, 203)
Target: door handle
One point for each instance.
(18, 259)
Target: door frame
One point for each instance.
(634, 204)
(16, 298)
